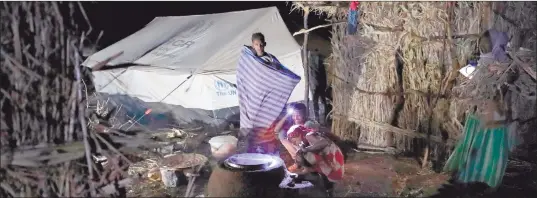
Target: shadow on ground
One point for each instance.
(519, 181)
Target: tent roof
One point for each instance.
(200, 43)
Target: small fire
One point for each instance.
(148, 111)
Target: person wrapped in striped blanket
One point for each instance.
(264, 86)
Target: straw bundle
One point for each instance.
(47, 144)
(351, 54)
(427, 58)
(385, 95)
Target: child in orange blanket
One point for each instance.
(316, 155)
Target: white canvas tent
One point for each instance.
(191, 61)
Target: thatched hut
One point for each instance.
(392, 81)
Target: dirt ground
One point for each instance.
(386, 176)
(365, 175)
(368, 175)
(373, 175)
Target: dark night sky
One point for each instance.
(119, 19)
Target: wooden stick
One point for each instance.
(511, 21)
(425, 157)
(101, 64)
(389, 93)
(524, 66)
(16, 64)
(82, 119)
(305, 58)
(304, 31)
(111, 188)
(460, 36)
(377, 148)
(192, 179)
(369, 152)
(393, 129)
(395, 29)
(8, 189)
(455, 66)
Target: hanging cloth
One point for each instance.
(352, 19)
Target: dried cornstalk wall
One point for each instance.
(433, 40)
(352, 92)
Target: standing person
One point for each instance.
(264, 86)
(483, 152)
(318, 85)
(262, 140)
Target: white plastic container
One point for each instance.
(223, 146)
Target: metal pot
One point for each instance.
(247, 175)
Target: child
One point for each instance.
(317, 155)
(296, 136)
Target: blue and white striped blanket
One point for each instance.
(263, 90)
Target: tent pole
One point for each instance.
(175, 88)
(115, 78)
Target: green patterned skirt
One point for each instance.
(481, 156)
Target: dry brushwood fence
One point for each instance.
(48, 133)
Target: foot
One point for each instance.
(298, 179)
(491, 190)
(330, 193)
(294, 168)
(291, 184)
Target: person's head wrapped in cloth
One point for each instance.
(313, 126)
(297, 134)
(493, 45)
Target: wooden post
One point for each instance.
(305, 61)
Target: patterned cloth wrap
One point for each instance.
(263, 89)
(261, 140)
(329, 161)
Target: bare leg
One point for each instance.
(322, 119)
(328, 186)
(290, 148)
(316, 95)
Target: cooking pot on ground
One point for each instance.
(247, 175)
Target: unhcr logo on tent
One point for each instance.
(224, 88)
(186, 38)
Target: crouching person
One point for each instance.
(317, 159)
